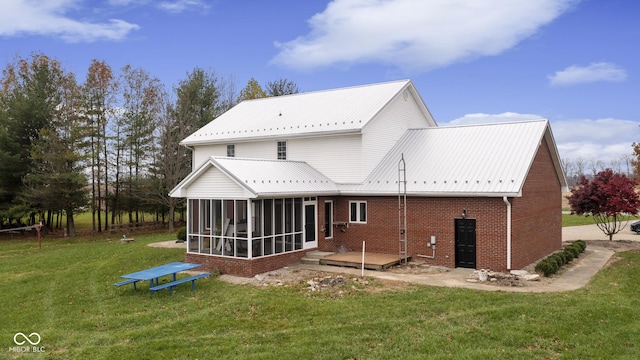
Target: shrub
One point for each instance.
(581, 244)
(562, 258)
(568, 254)
(181, 235)
(574, 249)
(559, 260)
(547, 266)
(552, 263)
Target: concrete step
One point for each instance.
(313, 257)
(318, 254)
(310, 261)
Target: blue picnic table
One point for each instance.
(155, 273)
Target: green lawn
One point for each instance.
(576, 220)
(65, 293)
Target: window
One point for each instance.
(358, 211)
(282, 150)
(231, 150)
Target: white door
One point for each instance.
(310, 225)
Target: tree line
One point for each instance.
(108, 145)
(575, 169)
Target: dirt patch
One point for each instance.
(616, 245)
(318, 283)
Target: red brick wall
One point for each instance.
(425, 217)
(537, 216)
(244, 267)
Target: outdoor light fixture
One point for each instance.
(464, 213)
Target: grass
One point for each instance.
(577, 220)
(65, 293)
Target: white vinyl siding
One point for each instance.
(213, 181)
(383, 132)
(337, 157)
(204, 152)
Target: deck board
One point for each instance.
(372, 261)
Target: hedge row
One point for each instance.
(554, 262)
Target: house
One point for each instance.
(277, 177)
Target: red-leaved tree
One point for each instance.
(609, 197)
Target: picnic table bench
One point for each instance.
(128, 281)
(171, 284)
(154, 274)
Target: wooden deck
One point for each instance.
(372, 261)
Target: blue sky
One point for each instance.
(573, 62)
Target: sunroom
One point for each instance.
(248, 208)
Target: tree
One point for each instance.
(99, 91)
(57, 181)
(30, 96)
(608, 197)
(253, 90)
(635, 161)
(142, 95)
(200, 99)
(281, 87)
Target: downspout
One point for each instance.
(506, 201)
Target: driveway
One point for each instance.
(591, 232)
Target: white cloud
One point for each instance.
(416, 34)
(594, 72)
(481, 118)
(49, 18)
(605, 139)
(181, 5)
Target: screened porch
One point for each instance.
(251, 228)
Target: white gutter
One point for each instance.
(506, 201)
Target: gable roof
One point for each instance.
(345, 110)
(263, 178)
(472, 160)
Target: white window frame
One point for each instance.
(359, 219)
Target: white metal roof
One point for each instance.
(266, 177)
(474, 160)
(345, 110)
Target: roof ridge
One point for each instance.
(331, 90)
(511, 122)
(255, 159)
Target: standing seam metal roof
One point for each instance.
(265, 177)
(331, 111)
(489, 160)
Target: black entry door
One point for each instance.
(465, 243)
